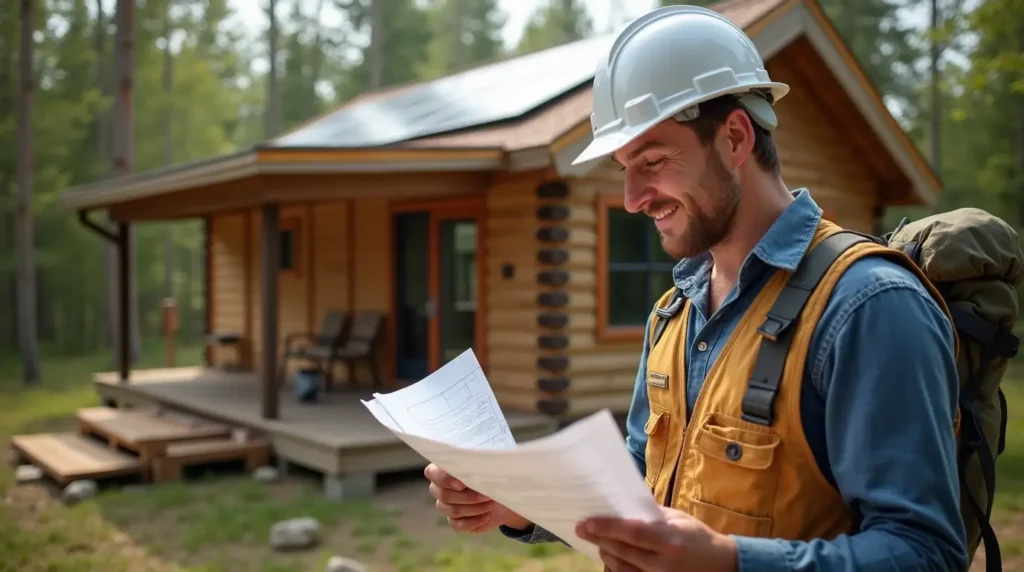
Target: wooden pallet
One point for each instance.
(67, 457)
(177, 456)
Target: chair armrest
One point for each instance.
(295, 336)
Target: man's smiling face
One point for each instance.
(683, 185)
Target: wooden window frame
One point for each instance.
(293, 224)
(606, 332)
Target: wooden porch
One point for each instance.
(335, 435)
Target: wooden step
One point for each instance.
(68, 457)
(134, 429)
(169, 467)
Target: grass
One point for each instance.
(222, 523)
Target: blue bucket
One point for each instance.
(307, 385)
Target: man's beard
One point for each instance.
(704, 230)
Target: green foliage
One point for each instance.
(467, 32)
(554, 23)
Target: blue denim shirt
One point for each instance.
(877, 404)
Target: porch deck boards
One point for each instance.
(336, 435)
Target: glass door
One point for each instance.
(437, 275)
(457, 288)
(412, 295)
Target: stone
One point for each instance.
(265, 474)
(390, 509)
(295, 534)
(342, 564)
(78, 491)
(27, 474)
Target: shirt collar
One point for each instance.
(782, 247)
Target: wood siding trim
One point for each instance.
(208, 309)
(350, 247)
(310, 254)
(606, 333)
(247, 347)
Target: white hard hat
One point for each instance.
(666, 62)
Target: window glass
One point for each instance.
(638, 269)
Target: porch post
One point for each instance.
(270, 261)
(123, 297)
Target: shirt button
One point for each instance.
(702, 346)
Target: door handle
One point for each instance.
(429, 308)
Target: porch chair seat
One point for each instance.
(361, 344)
(318, 347)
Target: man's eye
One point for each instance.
(654, 163)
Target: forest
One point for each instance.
(951, 71)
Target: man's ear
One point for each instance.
(737, 137)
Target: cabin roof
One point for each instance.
(488, 117)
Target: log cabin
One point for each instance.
(451, 207)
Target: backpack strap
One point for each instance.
(777, 331)
(994, 343)
(667, 313)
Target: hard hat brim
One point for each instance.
(608, 143)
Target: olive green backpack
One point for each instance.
(974, 260)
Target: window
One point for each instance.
(290, 243)
(633, 270)
(287, 250)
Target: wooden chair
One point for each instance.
(319, 346)
(361, 345)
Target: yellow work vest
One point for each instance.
(736, 476)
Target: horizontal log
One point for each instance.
(552, 234)
(554, 406)
(553, 384)
(553, 299)
(553, 364)
(552, 256)
(552, 342)
(553, 190)
(552, 213)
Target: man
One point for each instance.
(858, 469)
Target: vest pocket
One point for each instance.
(734, 472)
(726, 521)
(656, 429)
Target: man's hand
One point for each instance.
(680, 542)
(466, 509)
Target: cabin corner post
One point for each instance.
(270, 260)
(552, 299)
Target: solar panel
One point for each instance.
(494, 92)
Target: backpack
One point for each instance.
(975, 261)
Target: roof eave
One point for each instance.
(282, 162)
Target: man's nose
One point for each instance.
(637, 194)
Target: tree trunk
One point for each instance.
(935, 116)
(28, 342)
(103, 155)
(273, 126)
(376, 51)
(168, 148)
(123, 146)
